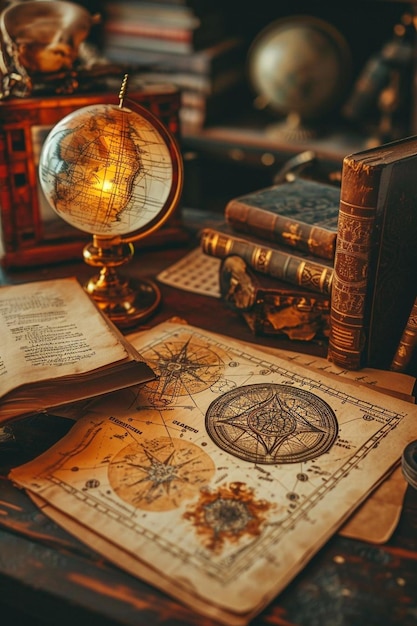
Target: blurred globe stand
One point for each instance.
(116, 172)
(299, 69)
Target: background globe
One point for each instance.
(299, 65)
(107, 170)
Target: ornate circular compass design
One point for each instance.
(184, 368)
(270, 423)
(159, 474)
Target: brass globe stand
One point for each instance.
(125, 301)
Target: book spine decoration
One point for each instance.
(407, 343)
(281, 229)
(357, 213)
(295, 270)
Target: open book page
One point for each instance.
(59, 348)
(51, 329)
(226, 474)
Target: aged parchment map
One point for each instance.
(218, 481)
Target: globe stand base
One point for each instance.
(292, 129)
(134, 303)
(125, 302)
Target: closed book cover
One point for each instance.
(202, 34)
(208, 61)
(298, 213)
(375, 267)
(300, 269)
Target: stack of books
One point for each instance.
(278, 248)
(182, 42)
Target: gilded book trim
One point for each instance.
(407, 343)
(300, 214)
(375, 266)
(315, 276)
(350, 285)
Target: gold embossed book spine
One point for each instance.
(375, 268)
(408, 342)
(300, 214)
(278, 262)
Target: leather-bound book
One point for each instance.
(273, 307)
(299, 269)
(298, 213)
(375, 267)
(408, 342)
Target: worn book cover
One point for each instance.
(375, 268)
(271, 306)
(295, 268)
(298, 213)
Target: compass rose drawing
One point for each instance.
(159, 474)
(184, 368)
(271, 423)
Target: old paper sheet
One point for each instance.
(233, 468)
(196, 272)
(377, 518)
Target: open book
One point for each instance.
(58, 347)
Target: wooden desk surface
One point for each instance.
(46, 573)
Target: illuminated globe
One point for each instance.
(299, 67)
(107, 170)
(115, 172)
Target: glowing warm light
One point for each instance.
(103, 184)
(107, 185)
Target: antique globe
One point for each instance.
(113, 171)
(299, 68)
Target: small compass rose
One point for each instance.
(184, 366)
(158, 474)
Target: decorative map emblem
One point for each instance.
(270, 423)
(184, 368)
(159, 474)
